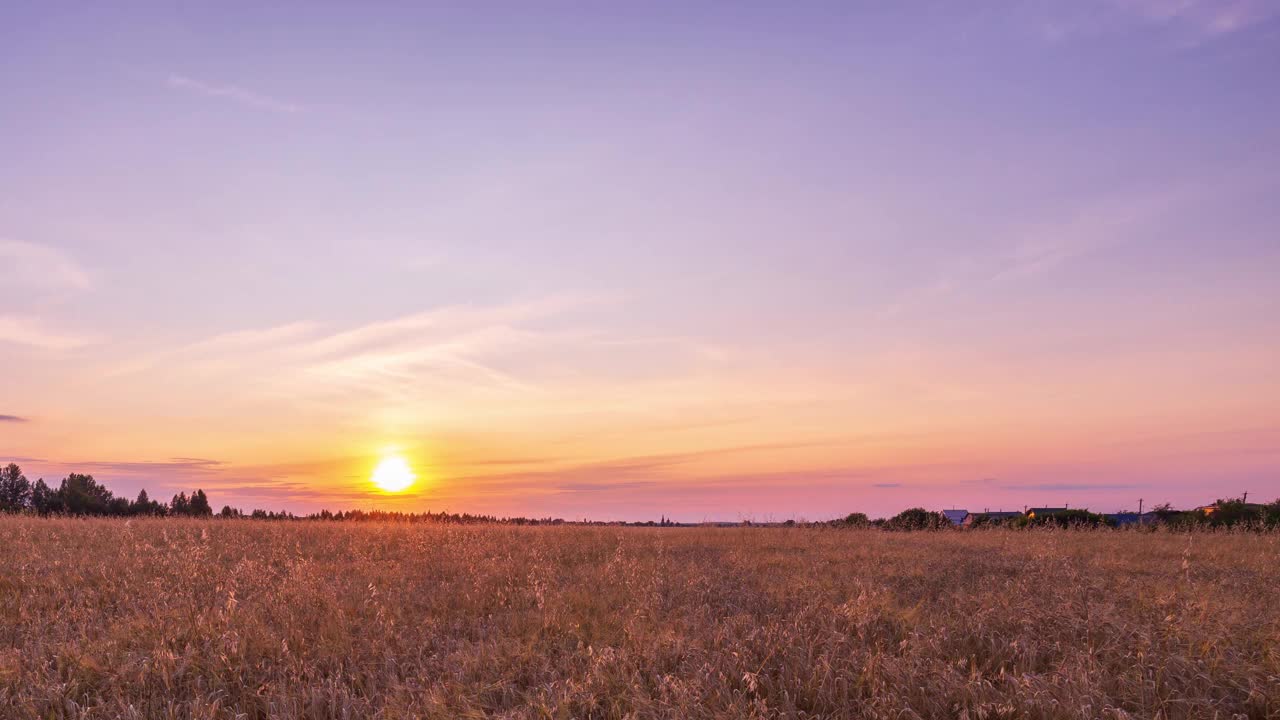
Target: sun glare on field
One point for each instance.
(393, 474)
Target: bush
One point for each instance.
(917, 519)
(1070, 519)
(1234, 512)
(1271, 514)
(857, 519)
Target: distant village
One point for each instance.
(1222, 513)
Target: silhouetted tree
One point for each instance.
(200, 504)
(15, 490)
(1235, 511)
(180, 505)
(44, 499)
(1178, 519)
(144, 505)
(82, 495)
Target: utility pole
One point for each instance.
(1246, 496)
(1139, 511)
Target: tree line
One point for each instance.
(79, 494)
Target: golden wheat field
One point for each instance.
(255, 619)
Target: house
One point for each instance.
(956, 517)
(1240, 505)
(987, 517)
(1040, 512)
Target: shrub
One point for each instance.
(855, 519)
(1071, 518)
(917, 519)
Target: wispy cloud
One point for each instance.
(32, 332)
(610, 487)
(1189, 22)
(255, 341)
(12, 419)
(249, 486)
(126, 476)
(445, 323)
(37, 272)
(451, 351)
(41, 266)
(233, 93)
(173, 465)
(1042, 247)
(640, 470)
(1207, 17)
(1069, 486)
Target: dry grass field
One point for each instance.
(248, 619)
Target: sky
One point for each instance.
(616, 261)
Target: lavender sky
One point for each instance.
(620, 260)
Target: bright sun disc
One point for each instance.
(393, 474)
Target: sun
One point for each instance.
(393, 474)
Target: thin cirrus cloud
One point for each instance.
(442, 350)
(1210, 17)
(1192, 22)
(231, 92)
(643, 470)
(40, 271)
(218, 346)
(32, 332)
(1071, 486)
(447, 323)
(173, 465)
(1099, 226)
(459, 327)
(42, 267)
(12, 419)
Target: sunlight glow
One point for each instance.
(393, 474)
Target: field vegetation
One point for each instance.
(209, 618)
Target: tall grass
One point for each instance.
(247, 619)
